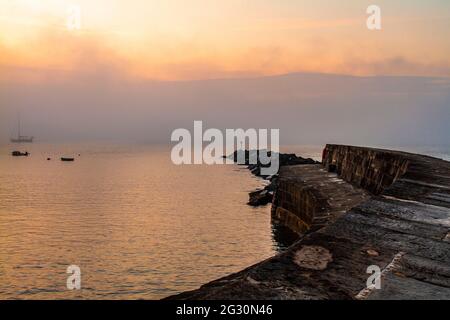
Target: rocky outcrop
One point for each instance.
(363, 209)
(251, 158)
(260, 197)
(264, 196)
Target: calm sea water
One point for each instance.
(138, 226)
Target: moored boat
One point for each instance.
(20, 154)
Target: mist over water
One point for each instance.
(307, 108)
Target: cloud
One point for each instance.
(60, 53)
(89, 54)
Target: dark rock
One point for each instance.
(251, 158)
(285, 159)
(272, 186)
(260, 197)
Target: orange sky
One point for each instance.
(197, 39)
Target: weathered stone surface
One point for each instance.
(403, 288)
(387, 208)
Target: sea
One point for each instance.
(135, 225)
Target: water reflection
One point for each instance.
(283, 236)
(138, 226)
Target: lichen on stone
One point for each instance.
(313, 257)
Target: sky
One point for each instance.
(202, 39)
(139, 69)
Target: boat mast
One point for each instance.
(18, 127)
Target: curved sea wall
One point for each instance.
(360, 208)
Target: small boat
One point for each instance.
(67, 159)
(22, 139)
(20, 154)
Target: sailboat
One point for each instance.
(20, 138)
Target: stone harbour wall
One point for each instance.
(362, 207)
